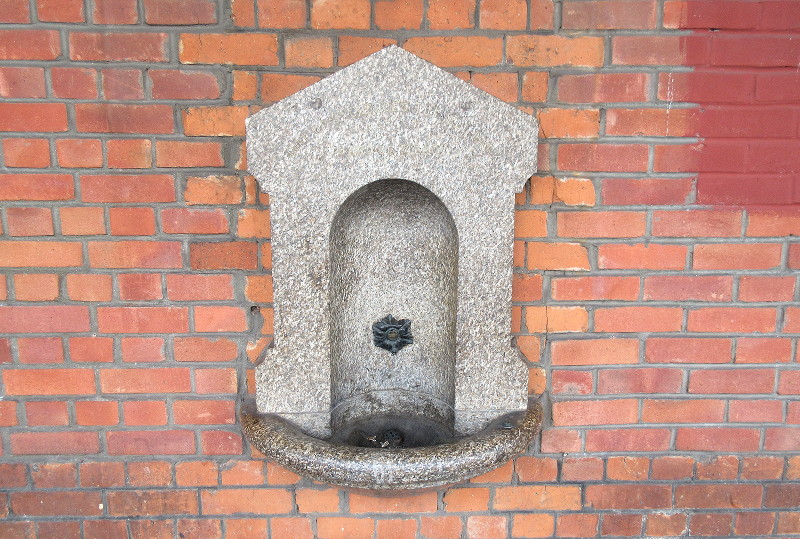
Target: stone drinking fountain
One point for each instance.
(392, 188)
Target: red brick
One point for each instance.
(199, 287)
(227, 255)
(26, 152)
(638, 319)
(602, 88)
(46, 413)
(533, 469)
(747, 381)
(310, 52)
(709, 156)
(240, 49)
(582, 469)
(152, 502)
(36, 286)
(546, 51)
(707, 86)
(54, 475)
(752, 411)
(133, 153)
(215, 380)
(139, 286)
(142, 319)
(688, 350)
(717, 439)
(199, 349)
(29, 45)
(546, 497)
(716, 468)
(773, 222)
(60, 10)
(115, 12)
(55, 443)
(161, 442)
(250, 473)
(40, 350)
(688, 288)
(196, 473)
(390, 528)
(603, 157)
(757, 51)
(571, 383)
(659, 50)
(706, 15)
(14, 11)
(451, 14)
(595, 352)
(557, 256)
(732, 319)
(189, 221)
(142, 349)
(96, 413)
(754, 523)
(652, 122)
(44, 319)
(762, 467)
(102, 474)
(219, 319)
(140, 413)
(36, 186)
(22, 82)
(628, 440)
(204, 412)
(74, 83)
(782, 439)
(91, 349)
(697, 223)
(180, 12)
(718, 496)
(56, 503)
(346, 14)
(792, 321)
(134, 221)
(177, 84)
(123, 118)
(29, 221)
(737, 256)
(275, 86)
(79, 153)
(177, 153)
(123, 84)
(627, 381)
(629, 496)
(489, 527)
(717, 189)
(457, 51)
(583, 412)
(642, 256)
(763, 288)
(157, 529)
(344, 527)
(670, 468)
(118, 47)
(664, 524)
(160, 380)
(612, 224)
(32, 117)
(577, 525)
(503, 15)
(363, 503)
(560, 441)
(789, 383)
(622, 525)
(595, 288)
(441, 527)
(710, 524)
(683, 411)
(608, 15)
(135, 254)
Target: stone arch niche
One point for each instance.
(392, 162)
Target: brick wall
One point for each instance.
(655, 294)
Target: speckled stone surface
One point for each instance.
(391, 115)
(393, 469)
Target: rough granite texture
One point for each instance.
(391, 115)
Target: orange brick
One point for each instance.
(441, 527)
(533, 525)
(569, 123)
(576, 525)
(504, 14)
(595, 288)
(546, 497)
(253, 224)
(344, 527)
(352, 48)
(276, 86)
(140, 413)
(396, 527)
(134, 153)
(259, 288)
(501, 85)
(60, 10)
(737, 256)
(732, 319)
(457, 51)
(215, 121)
(398, 14)
(583, 412)
(557, 256)
(345, 14)
(530, 224)
(39, 254)
(238, 49)
(245, 85)
(36, 286)
(317, 501)
(219, 319)
(79, 153)
(417, 503)
(176, 153)
(451, 14)
(601, 224)
(96, 413)
(309, 52)
(213, 190)
(133, 221)
(534, 86)
(539, 51)
(466, 499)
(638, 319)
(29, 221)
(89, 287)
(487, 527)
(194, 221)
(26, 152)
(282, 13)
(641, 256)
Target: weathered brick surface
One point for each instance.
(655, 261)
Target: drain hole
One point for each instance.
(389, 438)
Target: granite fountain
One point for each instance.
(392, 188)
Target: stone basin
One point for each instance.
(393, 469)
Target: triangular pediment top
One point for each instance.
(391, 107)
